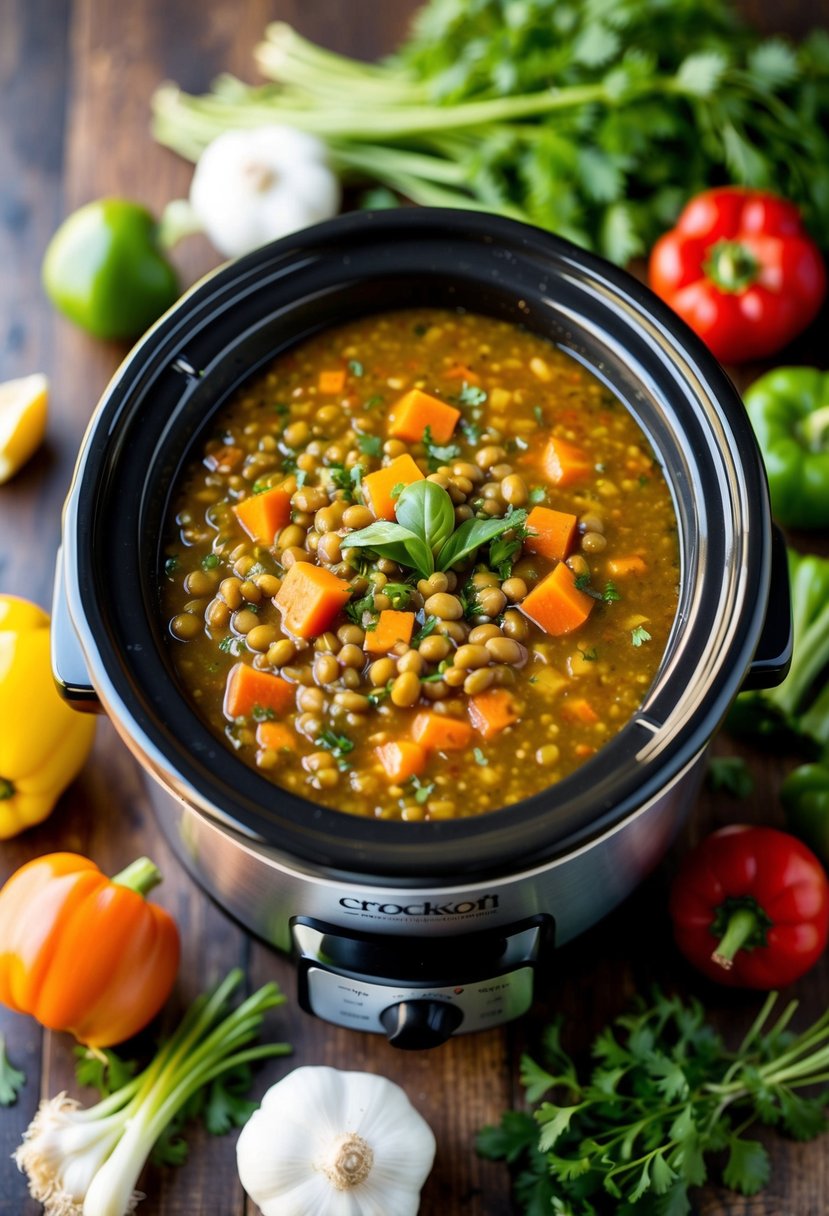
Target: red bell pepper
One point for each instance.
(741, 270)
(750, 907)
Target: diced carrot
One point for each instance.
(564, 463)
(459, 371)
(492, 711)
(247, 687)
(402, 759)
(276, 736)
(619, 567)
(583, 750)
(579, 709)
(441, 733)
(391, 627)
(263, 515)
(556, 604)
(332, 381)
(415, 411)
(224, 459)
(551, 533)
(310, 598)
(377, 486)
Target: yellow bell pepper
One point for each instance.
(43, 743)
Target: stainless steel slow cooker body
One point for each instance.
(418, 930)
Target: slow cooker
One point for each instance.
(418, 931)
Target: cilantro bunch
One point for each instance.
(634, 1134)
(596, 119)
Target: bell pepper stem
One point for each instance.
(140, 876)
(731, 266)
(742, 925)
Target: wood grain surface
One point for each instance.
(75, 81)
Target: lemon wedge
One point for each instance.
(23, 406)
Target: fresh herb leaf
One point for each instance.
(370, 445)
(373, 402)
(471, 394)
(301, 478)
(537, 494)
(438, 454)
(421, 792)
(590, 655)
(611, 594)
(102, 1069)
(338, 745)
(341, 480)
(355, 367)
(399, 594)
(362, 611)
(538, 414)
(730, 774)
(468, 595)
(262, 713)
(471, 430)
(473, 533)
(479, 756)
(427, 510)
(397, 489)
(398, 544)
(230, 644)
(12, 1079)
(639, 635)
(428, 627)
(260, 487)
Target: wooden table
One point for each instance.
(75, 81)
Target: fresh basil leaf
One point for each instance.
(427, 510)
(472, 534)
(399, 544)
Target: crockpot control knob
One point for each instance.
(416, 1024)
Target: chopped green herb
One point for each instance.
(505, 549)
(230, 644)
(254, 608)
(471, 394)
(171, 565)
(439, 454)
(399, 594)
(259, 487)
(370, 445)
(590, 655)
(480, 758)
(281, 408)
(355, 367)
(379, 694)
(468, 595)
(262, 713)
(419, 330)
(397, 489)
(611, 593)
(362, 611)
(429, 626)
(609, 596)
(537, 494)
(301, 478)
(421, 792)
(341, 480)
(102, 1069)
(209, 562)
(538, 414)
(639, 635)
(730, 774)
(338, 745)
(643, 480)
(372, 402)
(471, 430)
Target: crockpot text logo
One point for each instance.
(463, 907)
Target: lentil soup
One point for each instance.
(425, 567)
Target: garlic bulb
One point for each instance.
(251, 187)
(331, 1143)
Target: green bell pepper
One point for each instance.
(105, 269)
(789, 410)
(805, 798)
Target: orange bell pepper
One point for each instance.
(85, 953)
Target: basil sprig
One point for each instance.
(424, 537)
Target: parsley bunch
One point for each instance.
(595, 120)
(633, 1134)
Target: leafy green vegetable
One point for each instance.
(470, 394)
(399, 594)
(639, 636)
(398, 544)
(594, 120)
(429, 626)
(473, 533)
(362, 611)
(12, 1079)
(730, 774)
(504, 550)
(663, 1094)
(427, 510)
(796, 711)
(338, 745)
(355, 367)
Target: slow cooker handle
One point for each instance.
(773, 656)
(68, 662)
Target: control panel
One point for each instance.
(418, 991)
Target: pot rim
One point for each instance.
(695, 683)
